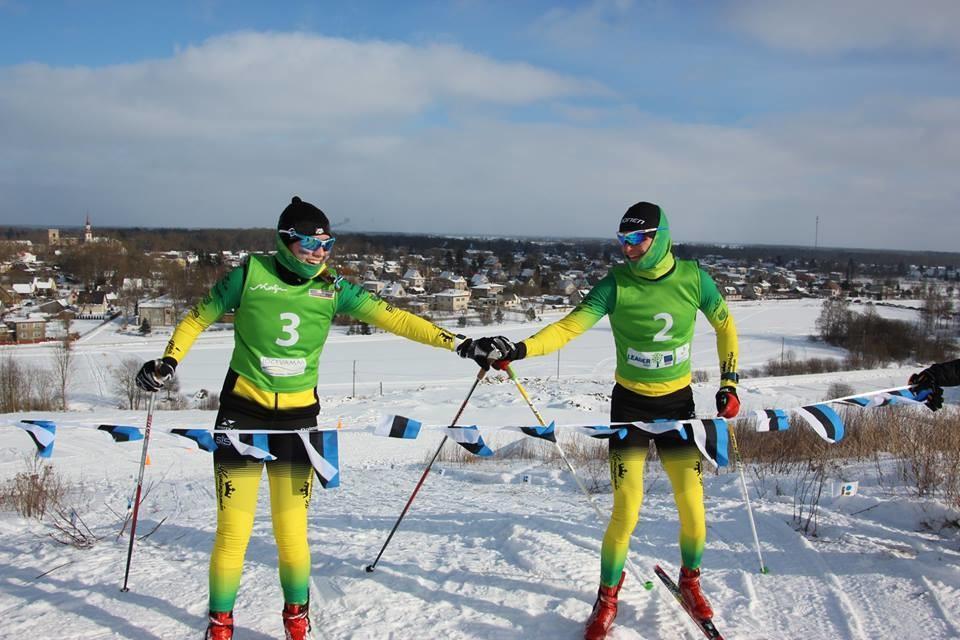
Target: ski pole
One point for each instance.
(136, 502)
(370, 567)
(746, 496)
(563, 456)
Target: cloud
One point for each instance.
(829, 27)
(414, 139)
(583, 26)
(272, 83)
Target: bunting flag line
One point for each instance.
(202, 437)
(324, 454)
(121, 433)
(546, 433)
(398, 427)
(259, 448)
(469, 438)
(772, 420)
(711, 437)
(824, 421)
(886, 398)
(656, 428)
(43, 433)
(601, 432)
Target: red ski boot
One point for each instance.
(296, 621)
(220, 626)
(604, 611)
(693, 597)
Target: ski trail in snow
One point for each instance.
(937, 600)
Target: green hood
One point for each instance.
(297, 266)
(658, 260)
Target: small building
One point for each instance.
(27, 330)
(451, 300)
(157, 313)
(412, 278)
(373, 286)
(92, 303)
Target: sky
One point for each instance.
(746, 120)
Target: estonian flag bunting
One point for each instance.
(547, 433)
(202, 437)
(469, 438)
(602, 432)
(824, 420)
(259, 449)
(772, 420)
(658, 427)
(398, 427)
(711, 437)
(120, 433)
(42, 432)
(323, 452)
(901, 396)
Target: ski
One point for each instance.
(706, 626)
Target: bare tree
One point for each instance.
(123, 384)
(62, 369)
(63, 360)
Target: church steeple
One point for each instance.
(87, 230)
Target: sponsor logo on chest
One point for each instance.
(268, 288)
(658, 359)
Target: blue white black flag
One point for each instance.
(43, 433)
(258, 449)
(398, 427)
(202, 437)
(121, 433)
(772, 420)
(658, 427)
(323, 451)
(886, 398)
(547, 433)
(711, 437)
(824, 420)
(601, 431)
(469, 438)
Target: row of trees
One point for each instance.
(875, 341)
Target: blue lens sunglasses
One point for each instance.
(636, 237)
(309, 243)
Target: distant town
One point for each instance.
(150, 277)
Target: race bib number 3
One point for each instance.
(283, 367)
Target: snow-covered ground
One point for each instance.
(482, 553)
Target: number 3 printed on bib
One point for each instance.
(291, 322)
(664, 334)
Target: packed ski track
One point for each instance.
(502, 548)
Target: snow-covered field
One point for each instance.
(482, 553)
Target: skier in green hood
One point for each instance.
(285, 304)
(652, 301)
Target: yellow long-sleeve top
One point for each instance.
(645, 315)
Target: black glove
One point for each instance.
(486, 351)
(927, 381)
(728, 402)
(156, 373)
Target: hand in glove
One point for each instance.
(486, 351)
(156, 373)
(926, 381)
(728, 403)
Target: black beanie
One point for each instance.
(643, 215)
(304, 218)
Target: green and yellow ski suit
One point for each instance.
(280, 327)
(652, 315)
